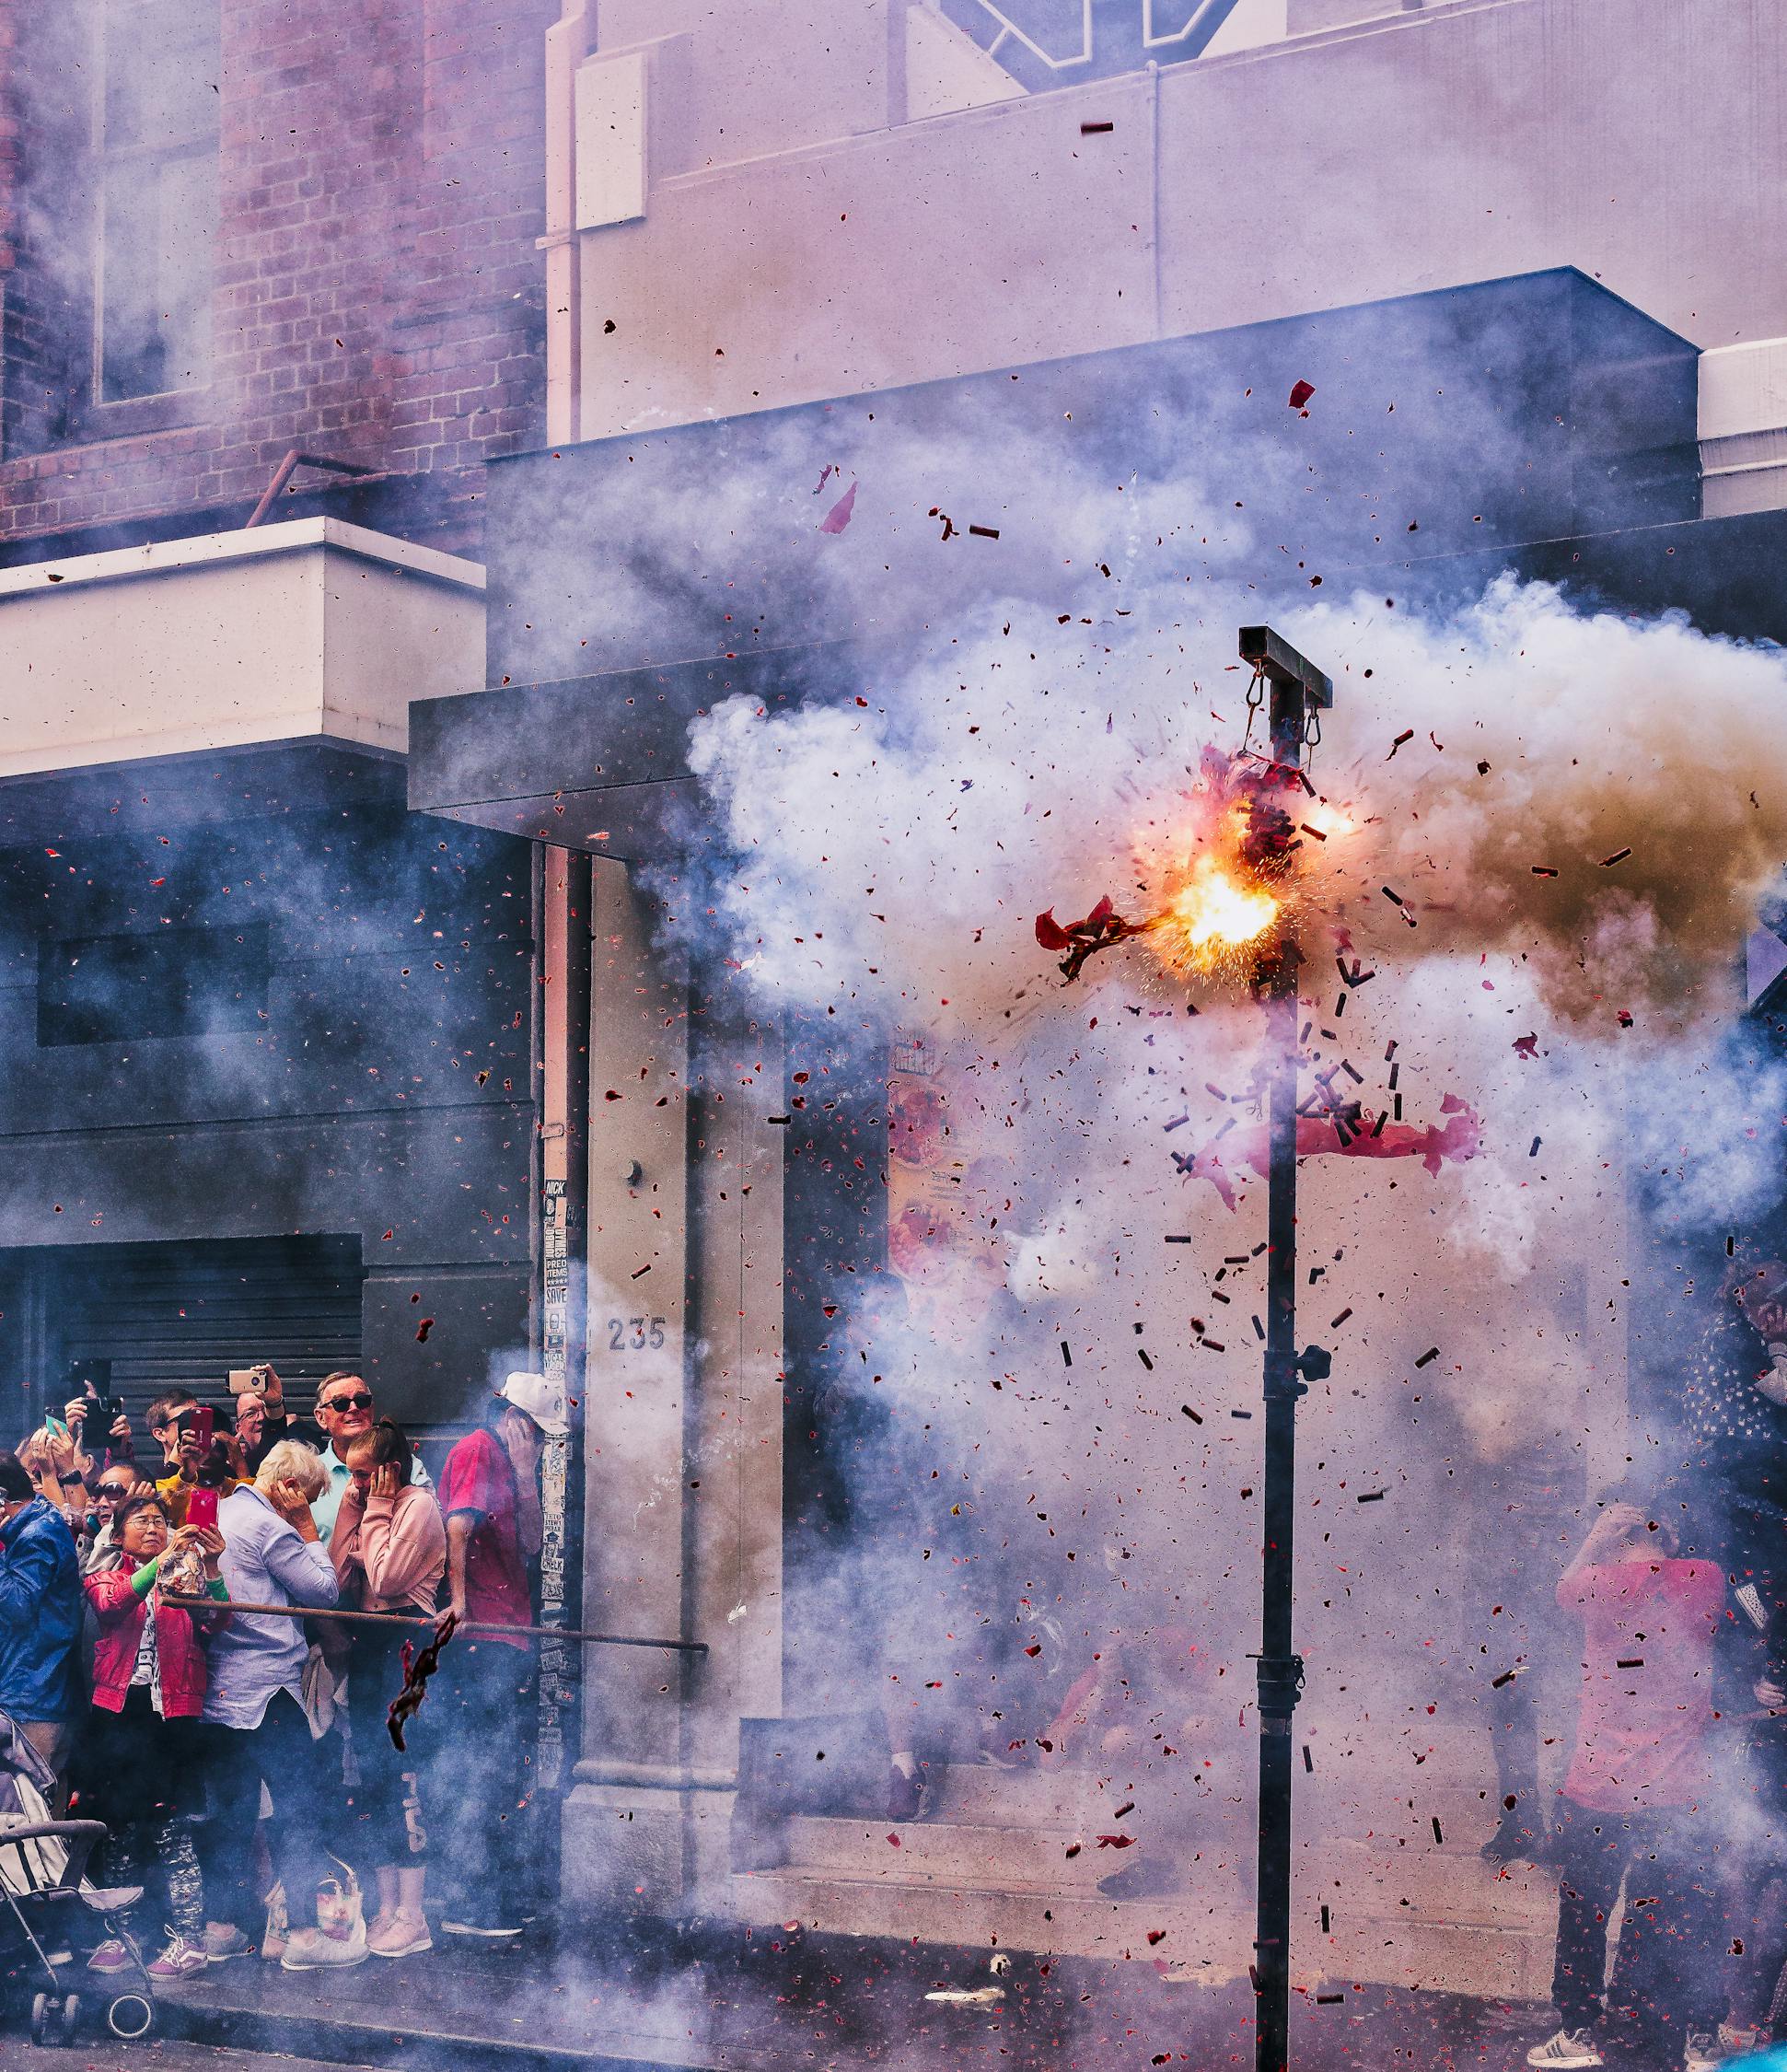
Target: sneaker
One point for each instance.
(222, 1941)
(398, 1935)
(309, 1949)
(111, 1956)
(180, 1958)
(486, 1928)
(1705, 2053)
(1567, 2048)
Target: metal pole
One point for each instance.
(1295, 686)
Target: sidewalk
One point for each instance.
(722, 1999)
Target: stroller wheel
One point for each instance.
(70, 2014)
(131, 2016)
(46, 2019)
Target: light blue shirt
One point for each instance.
(325, 1506)
(265, 1563)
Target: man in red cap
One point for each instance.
(489, 1493)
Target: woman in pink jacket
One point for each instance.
(390, 1551)
(148, 1687)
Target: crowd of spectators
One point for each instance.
(171, 1645)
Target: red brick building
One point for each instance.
(229, 228)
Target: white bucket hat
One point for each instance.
(539, 1399)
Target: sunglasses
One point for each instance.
(361, 1401)
(116, 1490)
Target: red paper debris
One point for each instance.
(1526, 1046)
(838, 517)
(1117, 1841)
(1301, 394)
(1103, 927)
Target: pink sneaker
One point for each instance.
(111, 1956)
(180, 1960)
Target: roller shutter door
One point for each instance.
(182, 1315)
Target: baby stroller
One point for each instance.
(47, 1905)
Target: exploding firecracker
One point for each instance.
(1218, 885)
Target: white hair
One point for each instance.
(292, 1461)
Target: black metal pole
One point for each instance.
(1295, 685)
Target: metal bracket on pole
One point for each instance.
(1280, 1682)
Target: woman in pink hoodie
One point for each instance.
(390, 1551)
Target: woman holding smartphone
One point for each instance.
(148, 1688)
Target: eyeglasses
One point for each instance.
(360, 1402)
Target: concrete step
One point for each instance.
(1207, 1940)
(1369, 1880)
(1212, 1935)
(978, 1793)
(947, 1852)
(1468, 1957)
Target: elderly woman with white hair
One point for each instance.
(255, 1729)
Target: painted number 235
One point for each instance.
(646, 1331)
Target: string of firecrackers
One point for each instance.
(1456, 1140)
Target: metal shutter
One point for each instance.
(182, 1315)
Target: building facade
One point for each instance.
(594, 298)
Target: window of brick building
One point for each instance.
(105, 319)
(156, 139)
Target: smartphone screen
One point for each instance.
(201, 1506)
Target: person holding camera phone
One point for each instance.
(40, 1607)
(261, 1420)
(193, 1453)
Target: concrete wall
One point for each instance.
(307, 628)
(806, 250)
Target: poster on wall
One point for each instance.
(555, 1692)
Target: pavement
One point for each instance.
(720, 1998)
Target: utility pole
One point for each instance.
(1297, 687)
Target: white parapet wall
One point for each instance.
(307, 629)
(1744, 428)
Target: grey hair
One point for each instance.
(292, 1461)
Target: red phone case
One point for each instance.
(202, 1508)
(207, 1426)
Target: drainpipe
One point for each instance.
(568, 42)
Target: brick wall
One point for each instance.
(378, 292)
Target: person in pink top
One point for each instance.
(490, 1491)
(1635, 1798)
(388, 1546)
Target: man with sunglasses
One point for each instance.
(344, 1410)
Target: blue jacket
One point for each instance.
(41, 1604)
